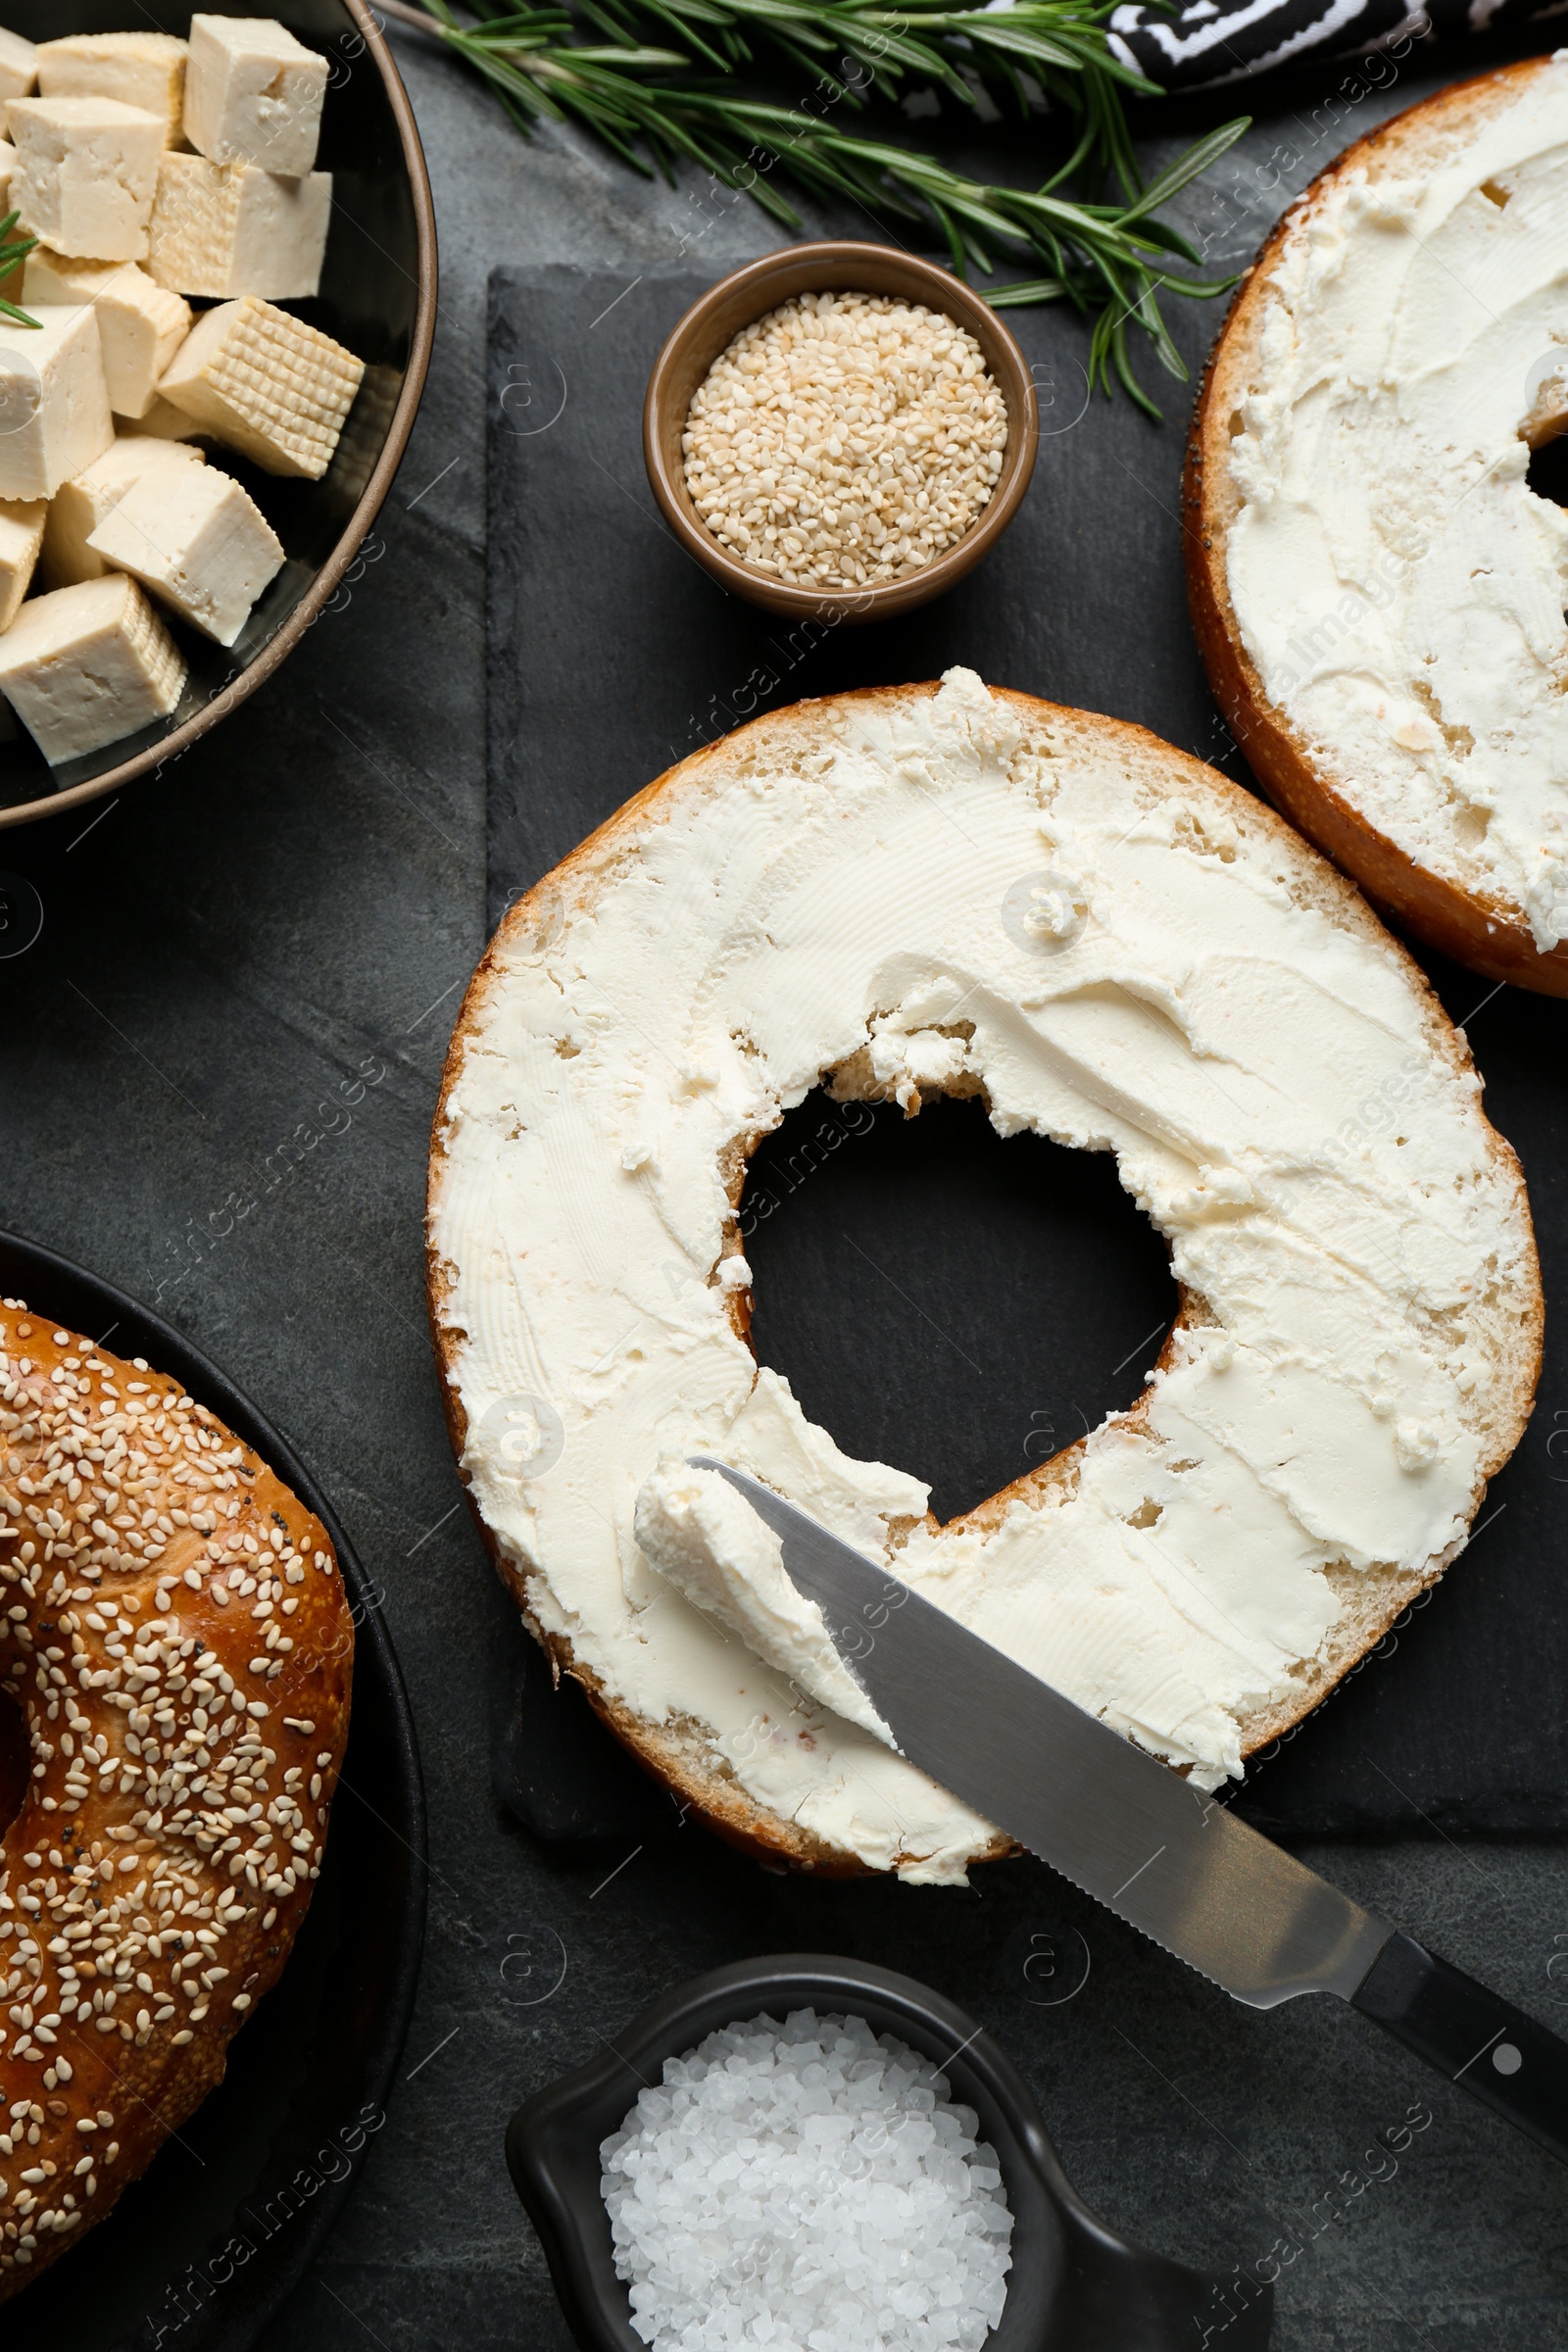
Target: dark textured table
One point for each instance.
(299, 903)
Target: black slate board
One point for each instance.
(949, 1302)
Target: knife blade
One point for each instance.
(1169, 1859)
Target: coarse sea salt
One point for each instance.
(808, 2186)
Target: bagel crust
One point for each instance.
(922, 890)
(175, 1633)
(1422, 847)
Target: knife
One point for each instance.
(1163, 1855)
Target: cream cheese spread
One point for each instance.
(924, 891)
(1398, 586)
(713, 1546)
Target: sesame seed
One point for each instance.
(124, 1887)
(844, 439)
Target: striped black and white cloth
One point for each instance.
(1206, 42)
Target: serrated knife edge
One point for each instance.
(1135, 1835)
(1124, 1826)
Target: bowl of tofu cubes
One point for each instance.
(217, 300)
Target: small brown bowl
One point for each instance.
(833, 267)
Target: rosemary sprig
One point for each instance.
(858, 47)
(657, 107)
(13, 251)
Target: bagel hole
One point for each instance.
(955, 1302)
(1548, 470)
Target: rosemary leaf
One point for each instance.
(658, 106)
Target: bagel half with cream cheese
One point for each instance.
(174, 1633)
(921, 889)
(1377, 592)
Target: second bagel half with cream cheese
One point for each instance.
(1376, 591)
(922, 890)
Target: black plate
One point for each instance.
(207, 2245)
(1073, 2285)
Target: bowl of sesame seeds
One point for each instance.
(839, 429)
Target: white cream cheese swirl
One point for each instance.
(935, 890)
(715, 1549)
(1399, 587)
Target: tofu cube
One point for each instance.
(54, 402)
(225, 229)
(88, 664)
(358, 451)
(163, 421)
(80, 506)
(139, 69)
(18, 67)
(253, 94)
(267, 384)
(21, 525)
(86, 175)
(198, 540)
(140, 326)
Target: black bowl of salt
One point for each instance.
(1073, 2285)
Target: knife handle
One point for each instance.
(1474, 2036)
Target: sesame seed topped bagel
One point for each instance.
(174, 1632)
